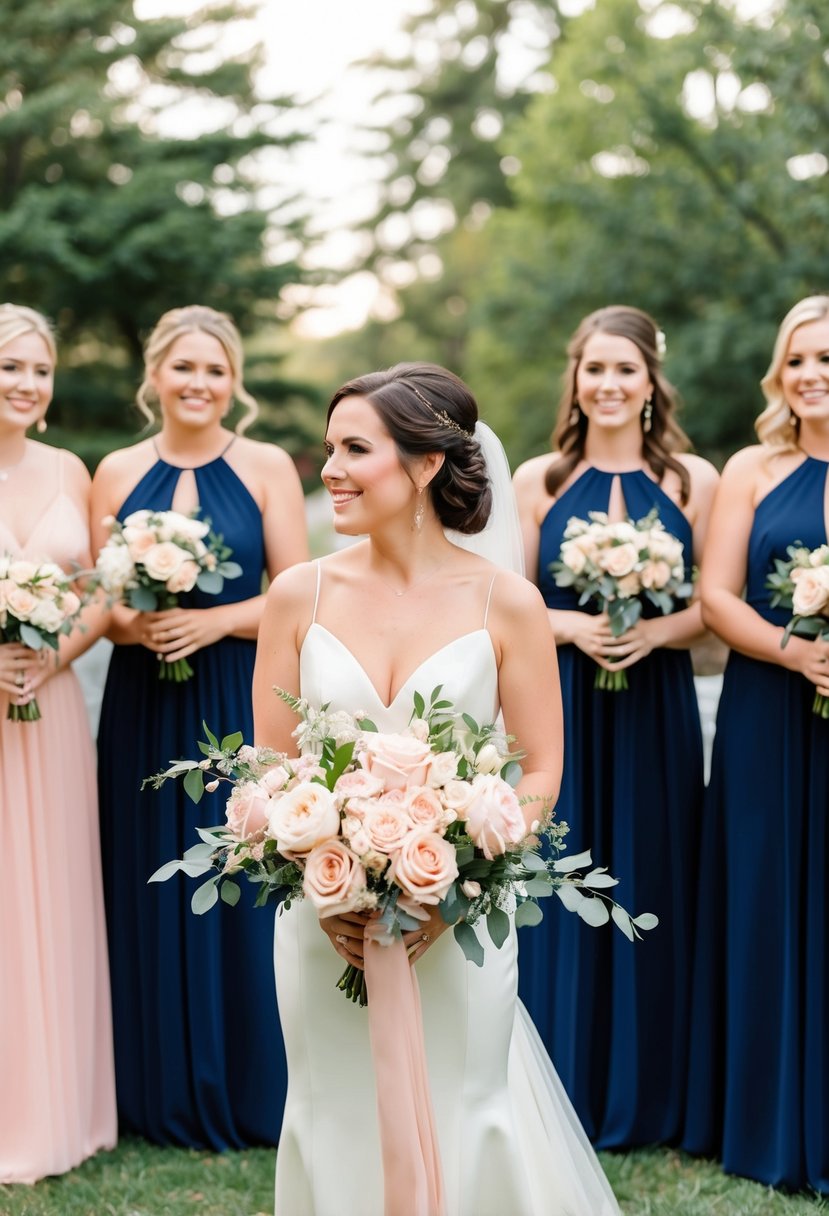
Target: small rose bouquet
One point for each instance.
(802, 584)
(619, 566)
(387, 824)
(37, 604)
(153, 557)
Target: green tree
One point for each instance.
(132, 157)
(678, 165)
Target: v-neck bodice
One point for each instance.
(60, 533)
(591, 492)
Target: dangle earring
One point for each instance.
(646, 414)
(40, 426)
(575, 414)
(420, 512)
(793, 418)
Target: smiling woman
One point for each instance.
(189, 995)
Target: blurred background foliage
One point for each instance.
(544, 159)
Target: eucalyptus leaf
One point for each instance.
(646, 920)
(531, 861)
(230, 892)
(229, 569)
(570, 896)
(621, 918)
(528, 913)
(194, 784)
(497, 922)
(593, 912)
(210, 581)
(539, 887)
(467, 939)
(166, 871)
(142, 599)
(512, 772)
(198, 852)
(30, 637)
(566, 865)
(599, 878)
(205, 896)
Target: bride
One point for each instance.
(402, 611)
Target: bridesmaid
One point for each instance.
(759, 1092)
(196, 1059)
(57, 1098)
(614, 1015)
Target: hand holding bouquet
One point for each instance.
(155, 556)
(802, 584)
(387, 824)
(37, 604)
(619, 566)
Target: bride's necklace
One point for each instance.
(418, 582)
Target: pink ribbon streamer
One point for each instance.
(412, 1179)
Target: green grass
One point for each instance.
(137, 1179)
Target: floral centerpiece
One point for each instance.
(620, 566)
(802, 584)
(153, 557)
(37, 604)
(387, 824)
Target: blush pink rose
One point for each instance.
(656, 574)
(619, 560)
(397, 760)
(302, 818)
(70, 603)
(21, 603)
(334, 880)
(247, 809)
(811, 592)
(359, 784)
(443, 767)
(139, 541)
(628, 585)
(184, 579)
(387, 824)
(426, 810)
(425, 867)
(275, 779)
(494, 819)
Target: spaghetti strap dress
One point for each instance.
(197, 1060)
(57, 1096)
(759, 1092)
(614, 1014)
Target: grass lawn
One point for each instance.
(140, 1180)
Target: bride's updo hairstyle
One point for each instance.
(664, 437)
(426, 408)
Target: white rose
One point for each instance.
(302, 818)
(114, 567)
(443, 767)
(619, 560)
(22, 572)
(489, 759)
(47, 616)
(573, 556)
(163, 560)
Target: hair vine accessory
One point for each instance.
(441, 415)
(646, 414)
(661, 343)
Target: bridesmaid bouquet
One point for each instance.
(387, 824)
(619, 566)
(802, 584)
(155, 556)
(37, 604)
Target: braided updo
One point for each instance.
(426, 408)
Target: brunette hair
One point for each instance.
(777, 426)
(426, 408)
(195, 318)
(665, 435)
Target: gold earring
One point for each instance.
(646, 414)
(41, 425)
(793, 418)
(420, 512)
(575, 414)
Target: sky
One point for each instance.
(311, 48)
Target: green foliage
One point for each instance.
(132, 157)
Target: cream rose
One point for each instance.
(573, 556)
(139, 541)
(183, 579)
(628, 585)
(655, 574)
(303, 817)
(21, 571)
(275, 779)
(443, 767)
(457, 795)
(70, 603)
(47, 616)
(619, 560)
(425, 867)
(114, 567)
(493, 818)
(489, 759)
(247, 809)
(334, 880)
(163, 559)
(21, 603)
(397, 760)
(811, 593)
(359, 784)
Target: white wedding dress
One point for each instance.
(510, 1142)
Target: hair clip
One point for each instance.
(441, 415)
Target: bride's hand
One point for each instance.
(419, 940)
(346, 934)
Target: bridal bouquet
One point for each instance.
(155, 556)
(387, 824)
(802, 584)
(37, 604)
(619, 566)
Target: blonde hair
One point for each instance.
(16, 320)
(195, 318)
(777, 426)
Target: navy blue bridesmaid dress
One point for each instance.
(614, 1014)
(198, 1054)
(759, 1091)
